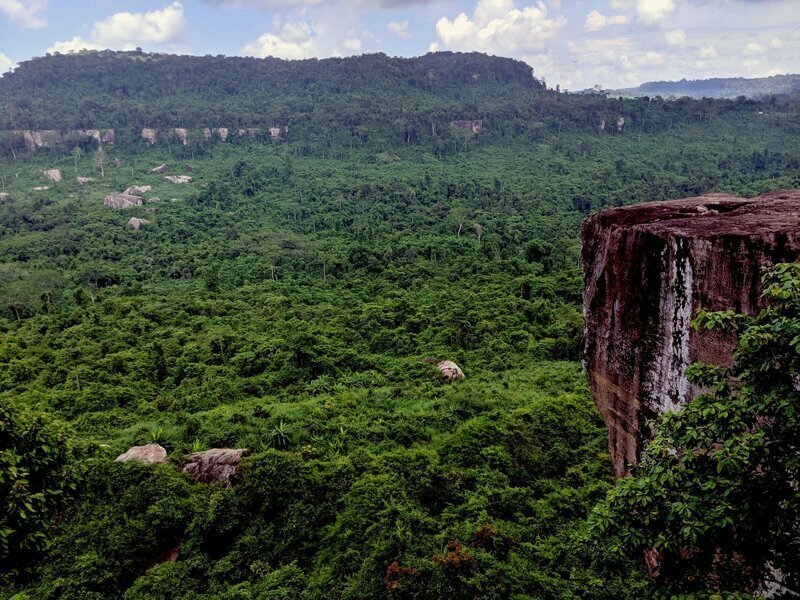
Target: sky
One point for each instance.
(573, 43)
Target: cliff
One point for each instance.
(648, 269)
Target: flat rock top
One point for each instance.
(710, 215)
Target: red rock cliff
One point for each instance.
(648, 269)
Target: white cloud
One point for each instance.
(675, 37)
(754, 48)
(292, 41)
(399, 28)
(595, 20)
(6, 64)
(23, 13)
(352, 45)
(154, 27)
(126, 31)
(499, 27)
(776, 43)
(752, 64)
(707, 52)
(651, 12)
(75, 44)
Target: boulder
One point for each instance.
(137, 190)
(153, 200)
(450, 371)
(160, 169)
(138, 223)
(53, 175)
(84, 180)
(109, 137)
(4, 196)
(148, 454)
(41, 188)
(248, 132)
(122, 201)
(178, 178)
(217, 465)
(648, 269)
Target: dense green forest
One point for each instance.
(290, 298)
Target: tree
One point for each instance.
(100, 158)
(714, 502)
(36, 475)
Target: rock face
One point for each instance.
(648, 269)
(217, 465)
(122, 201)
(470, 126)
(148, 454)
(450, 371)
(53, 175)
(150, 135)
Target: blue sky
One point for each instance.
(574, 43)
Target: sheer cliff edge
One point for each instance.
(648, 269)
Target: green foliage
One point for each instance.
(294, 298)
(716, 490)
(37, 474)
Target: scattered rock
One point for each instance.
(648, 269)
(215, 465)
(161, 169)
(137, 190)
(122, 201)
(178, 178)
(148, 454)
(53, 175)
(84, 180)
(450, 371)
(41, 188)
(137, 223)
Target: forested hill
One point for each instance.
(372, 100)
(732, 87)
(107, 89)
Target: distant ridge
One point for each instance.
(718, 87)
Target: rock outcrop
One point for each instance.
(150, 135)
(469, 126)
(450, 371)
(148, 454)
(217, 465)
(122, 201)
(138, 223)
(53, 175)
(648, 269)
